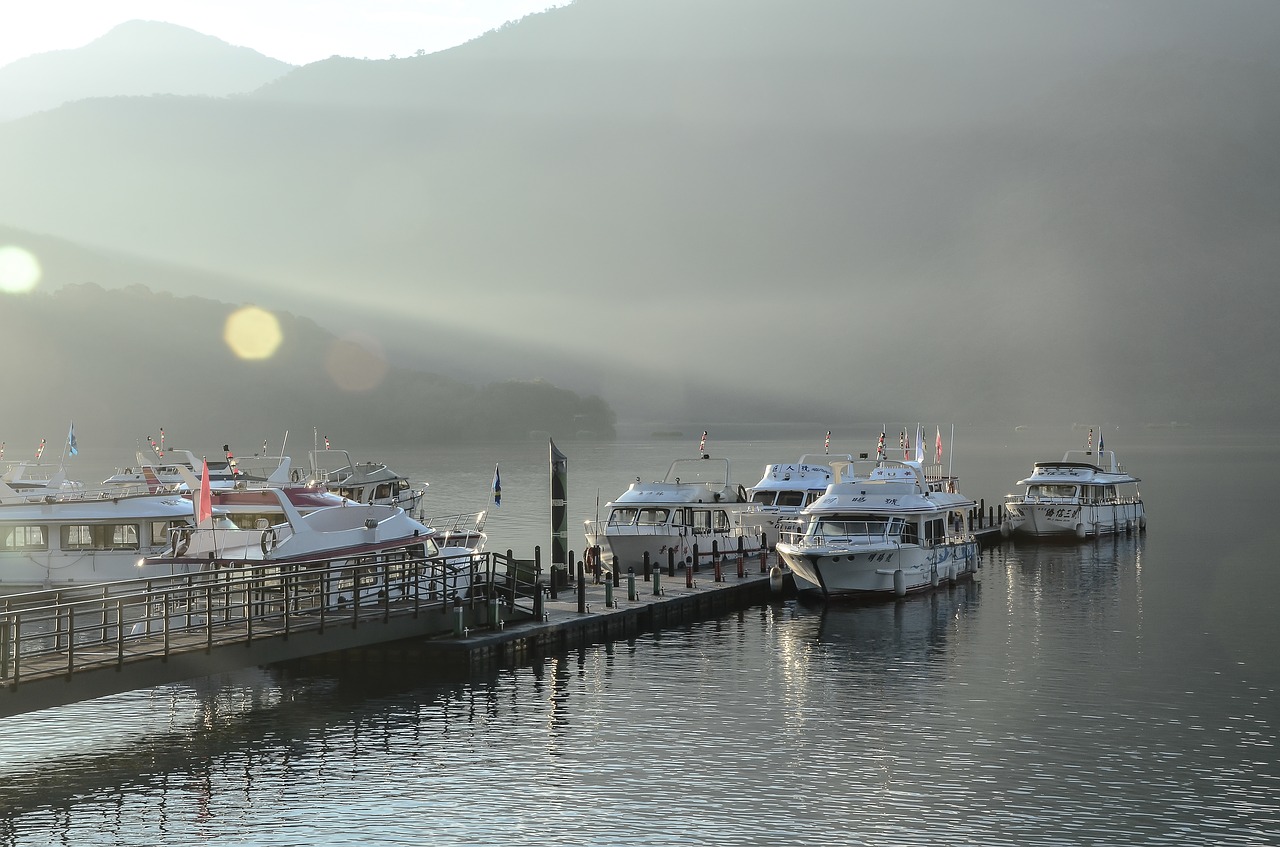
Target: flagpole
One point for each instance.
(951, 458)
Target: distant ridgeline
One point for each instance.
(131, 359)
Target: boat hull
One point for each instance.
(879, 570)
(1073, 520)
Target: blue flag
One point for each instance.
(71, 439)
(497, 487)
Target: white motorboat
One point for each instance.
(883, 528)
(786, 488)
(25, 476)
(352, 540)
(64, 538)
(165, 471)
(697, 503)
(365, 482)
(1087, 493)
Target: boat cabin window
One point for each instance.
(622, 517)
(117, 536)
(812, 496)
(382, 492)
(161, 531)
(791, 498)
(24, 538)
(708, 520)
(1050, 490)
(764, 498)
(935, 529)
(254, 520)
(653, 517)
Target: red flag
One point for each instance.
(204, 507)
(938, 447)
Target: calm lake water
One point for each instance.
(1120, 691)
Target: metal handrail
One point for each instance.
(109, 624)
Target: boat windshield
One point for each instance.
(866, 526)
(639, 517)
(764, 498)
(1049, 490)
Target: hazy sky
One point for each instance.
(294, 31)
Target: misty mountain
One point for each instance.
(757, 209)
(122, 362)
(137, 58)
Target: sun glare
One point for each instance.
(19, 270)
(252, 333)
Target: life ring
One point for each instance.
(268, 540)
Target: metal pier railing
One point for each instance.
(187, 622)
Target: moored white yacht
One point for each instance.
(354, 540)
(884, 528)
(160, 472)
(364, 482)
(83, 536)
(697, 503)
(1087, 493)
(786, 488)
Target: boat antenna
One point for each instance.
(282, 443)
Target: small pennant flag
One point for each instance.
(40, 449)
(1100, 448)
(702, 445)
(326, 442)
(937, 447)
(826, 448)
(497, 487)
(72, 448)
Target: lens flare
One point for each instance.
(356, 364)
(252, 333)
(19, 270)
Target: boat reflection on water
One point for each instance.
(847, 656)
(1099, 570)
(912, 628)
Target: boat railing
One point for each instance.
(1033, 499)
(603, 528)
(824, 533)
(98, 492)
(461, 522)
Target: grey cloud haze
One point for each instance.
(741, 211)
